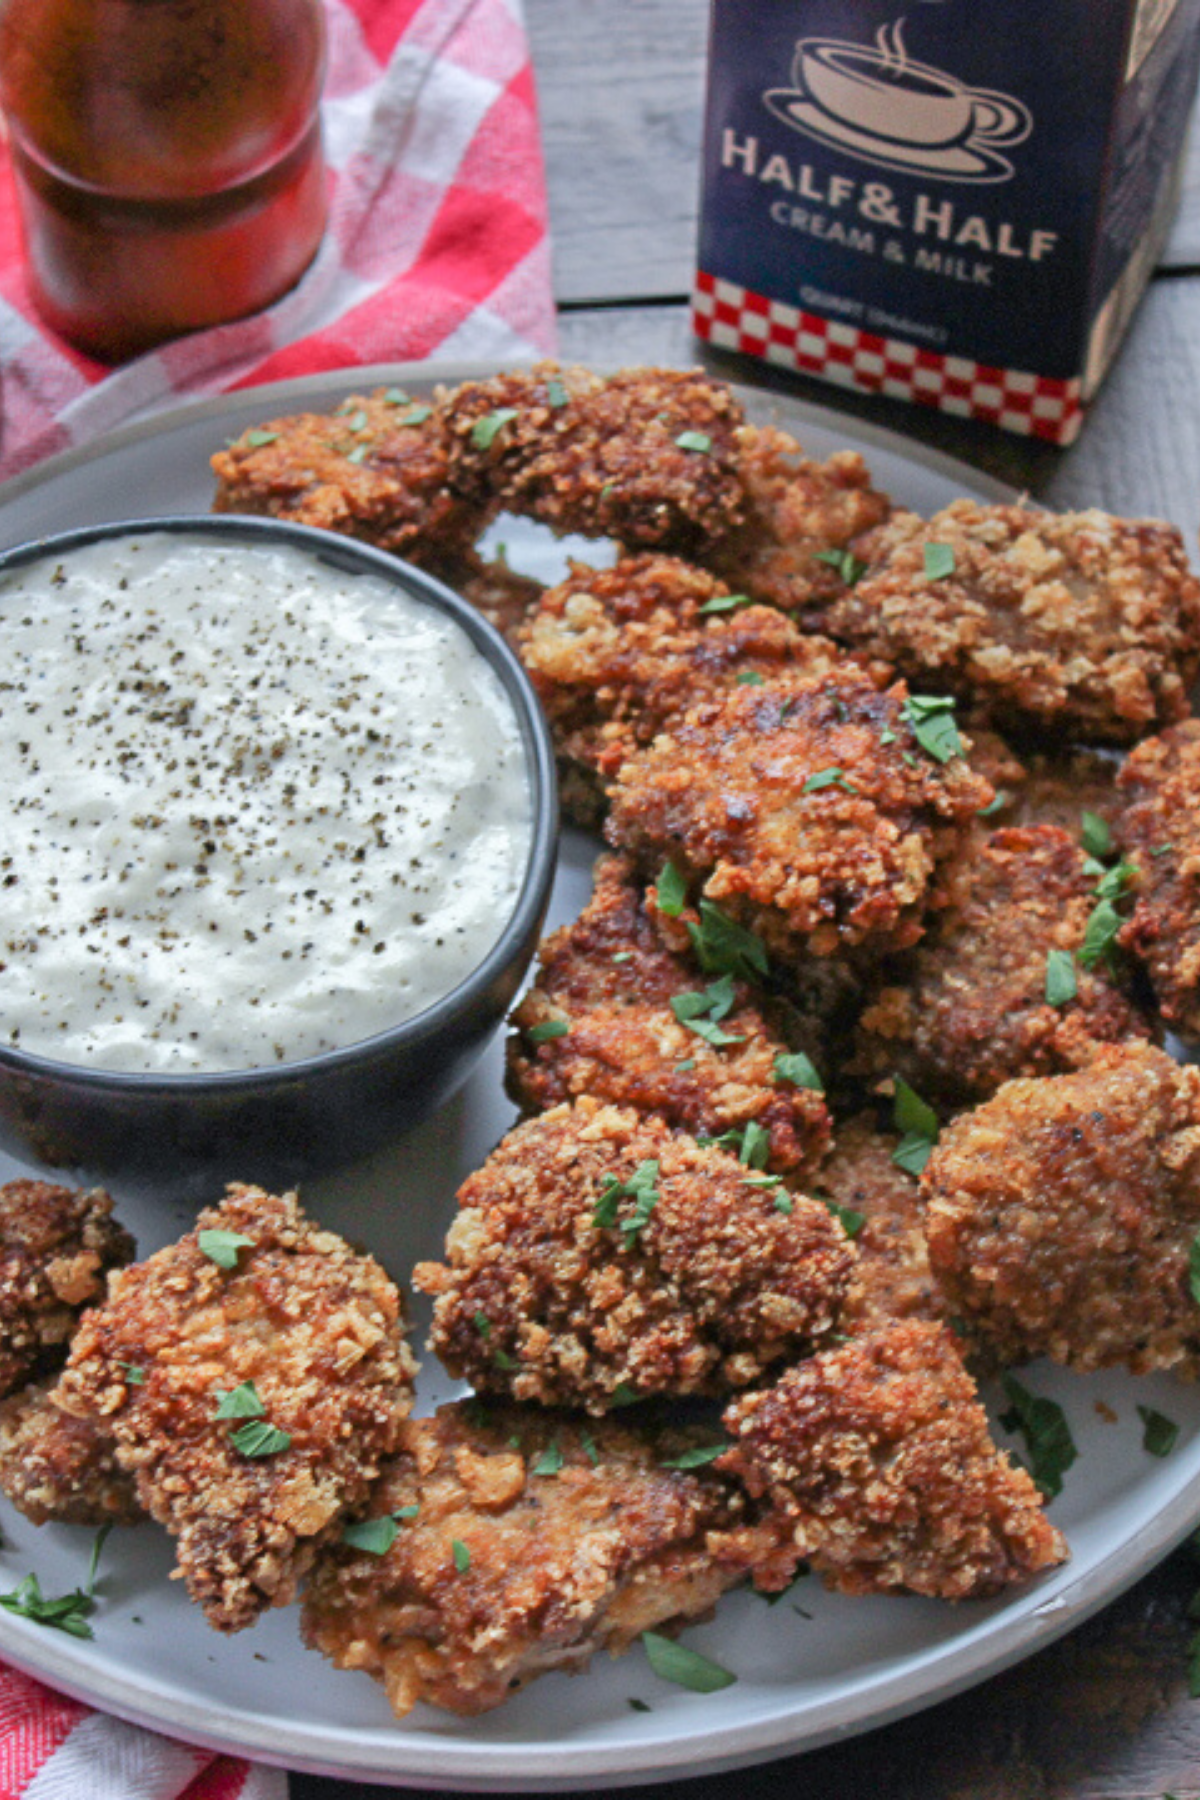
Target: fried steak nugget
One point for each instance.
(598, 1257)
(269, 1393)
(646, 456)
(804, 807)
(1060, 1215)
(1159, 829)
(892, 1279)
(972, 1008)
(59, 1469)
(376, 469)
(57, 1245)
(611, 981)
(878, 1454)
(1074, 623)
(534, 1541)
(614, 653)
(806, 520)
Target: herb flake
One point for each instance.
(1043, 1425)
(685, 1668)
(222, 1247)
(938, 560)
(1062, 983)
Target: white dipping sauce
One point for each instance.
(252, 807)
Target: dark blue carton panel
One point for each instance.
(969, 192)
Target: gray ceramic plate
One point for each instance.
(812, 1668)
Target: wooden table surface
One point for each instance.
(1104, 1713)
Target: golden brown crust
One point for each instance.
(61, 1470)
(694, 1293)
(1078, 622)
(647, 456)
(1159, 829)
(615, 653)
(57, 1245)
(803, 807)
(970, 1010)
(506, 1573)
(879, 1455)
(316, 1328)
(799, 512)
(363, 470)
(892, 1279)
(1061, 1214)
(610, 979)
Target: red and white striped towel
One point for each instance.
(437, 242)
(52, 1748)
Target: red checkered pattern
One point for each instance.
(733, 318)
(437, 241)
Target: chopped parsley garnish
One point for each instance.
(65, 1612)
(641, 1188)
(850, 1221)
(698, 1457)
(376, 1536)
(556, 394)
(850, 567)
(257, 1438)
(417, 416)
(396, 396)
(1094, 835)
(1162, 849)
(241, 1402)
(723, 947)
(1062, 983)
(622, 956)
(222, 1247)
(750, 678)
(685, 1668)
(784, 1203)
(485, 431)
(358, 454)
(359, 422)
(1043, 1425)
(545, 1029)
(825, 778)
(636, 1705)
(1194, 1268)
(462, 1556)
(698, 441)
(482, 1324)
(1000, 800)
(670, 891)
(254, 440)
(918, 1123)
(589, 1447)
(549, 1462)
(625, 1395)
(724, 603)
(794, 1066)
(939, 561)
(701, 1012)
(931, 720)
(755, 1146)
(1099, 934)
(133, 1372)
(1160, 1434)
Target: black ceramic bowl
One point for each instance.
(275, 1124)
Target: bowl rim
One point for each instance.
(356, 557)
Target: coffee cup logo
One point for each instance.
(877, 103)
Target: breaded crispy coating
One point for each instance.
(57, 1469)
(305, 1339)
(879, 1455)
(1076, 623)
(804, 807)
(610, 980)
(615, 653)
(598, 1257)
(805, 523)
(1159, 829)
(975, 1005)
(1060, 1215)
(57, 1245)
(375, 469)
(646, 456)
(535, 1541)
(892, 1279)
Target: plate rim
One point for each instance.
(1028, 1624)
